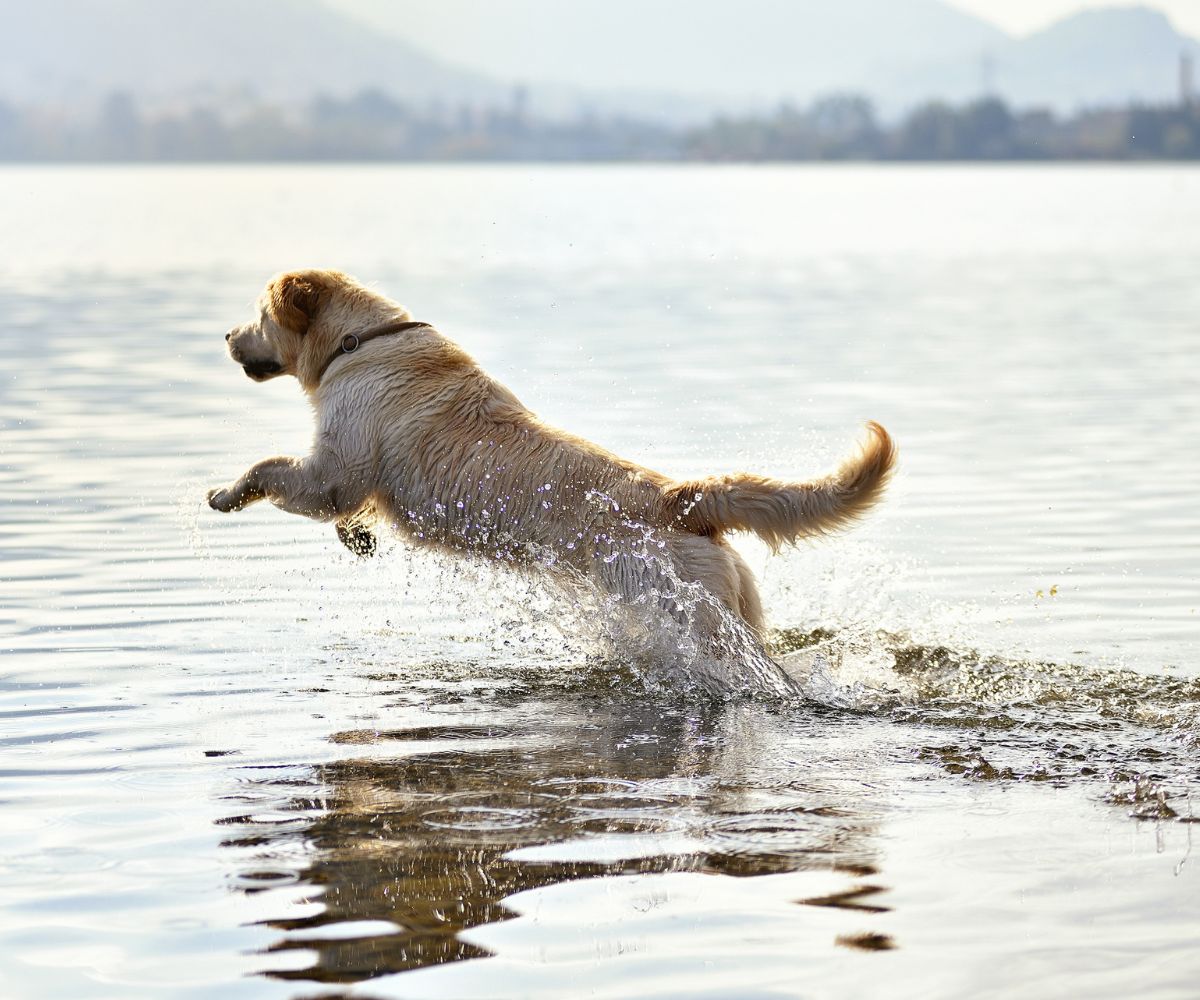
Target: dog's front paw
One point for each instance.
(359, 540)
(224, 500)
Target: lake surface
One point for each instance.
(235, 761)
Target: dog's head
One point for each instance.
(302, 315)
(272, 343)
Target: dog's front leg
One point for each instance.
(309, 487)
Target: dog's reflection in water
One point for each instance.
(422, 839)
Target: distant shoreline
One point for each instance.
(371, 127)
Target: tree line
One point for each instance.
(375, 126)
(846, 128)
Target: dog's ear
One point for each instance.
(296, 297)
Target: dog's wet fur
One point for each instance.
(411, 431)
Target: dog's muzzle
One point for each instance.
(259, 370)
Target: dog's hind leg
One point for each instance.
(707, 590)
(749, 604)
(701, 583)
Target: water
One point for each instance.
(238, 762)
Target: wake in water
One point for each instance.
(1016, 719)
(878, 671)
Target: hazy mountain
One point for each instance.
(670, 59)
(899, 52)
(70, 50)
(718, 51)
(1109, 56)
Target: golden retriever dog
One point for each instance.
(411, 431)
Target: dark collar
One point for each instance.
(353, 341)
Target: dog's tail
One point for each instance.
(781, 512)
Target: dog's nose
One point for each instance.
(228, 336)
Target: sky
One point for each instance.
(1020, 17)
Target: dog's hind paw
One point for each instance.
(359, 540)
